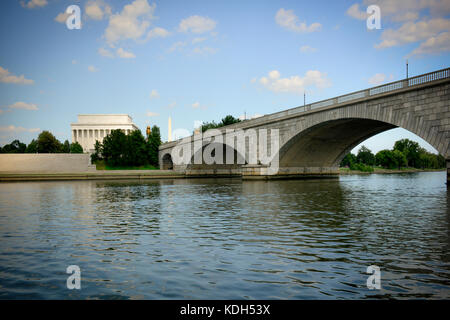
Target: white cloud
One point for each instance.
(92, 69)
(14, 129)
(152, 114)
(198, 40)
(97, 9)
(197, 24)
(356, 13)
(34, 4)
(125, 54)
(154, 94)
(434, 45)
(294, 84)
(204, 50)
(158, 33)
(177, 46)
(7, 77)
(197, 105)
(287, 19)
(413, 32)
(23, 105)
(415, 26)
(377, 79)
(105, 53)
(131, 23)
(307, 49)
(62, 17)
(171, 105)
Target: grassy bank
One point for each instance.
(383, 170)
(101, 165)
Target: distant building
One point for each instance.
(93, 127)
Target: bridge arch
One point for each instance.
(326, 137)
(166, 162)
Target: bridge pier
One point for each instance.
(448, 172)
(261, 172)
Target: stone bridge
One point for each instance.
(313, 139)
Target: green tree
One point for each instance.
(32, 147)
(76, 148)
(14, 147)
(410, 149)
(391, 159)
(137, 149)
(97, 154)
(229, 119)
(65, 147)
(115, 148)
(365, 156)
(153, 143)
(348, 160)
(47, 143)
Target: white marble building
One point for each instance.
(93, 127)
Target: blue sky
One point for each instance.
(201, 60)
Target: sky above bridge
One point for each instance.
(202, 60)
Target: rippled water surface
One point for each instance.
(227, 238)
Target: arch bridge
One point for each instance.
(313, 139)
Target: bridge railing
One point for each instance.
(388, 87)
(392, 86)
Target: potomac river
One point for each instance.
(227, 238)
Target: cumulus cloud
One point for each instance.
(152, 114)
(428, 30)
(158, 33)
(97, 9)
(125, 54)
(33, 4)
(356, 13)
(434, 45)
(177, 46)
(294, 84)
(377, 79)
(14, 129)
(131, 23)
(287, 19)
(154, 94)
(92, 69)
(413, 32)
(23, 105)
(204, 50)
(198, 40)
(62, 17)
(197, 24)
(307, 49)
(7, 77)
(105, 53)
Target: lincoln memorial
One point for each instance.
(93, 127)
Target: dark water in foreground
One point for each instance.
(227, 239)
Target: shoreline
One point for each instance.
(346, 171)
(155, 174)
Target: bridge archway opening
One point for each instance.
(225, 150)
(167, 163)
(326, 144)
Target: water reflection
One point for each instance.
(227, 238)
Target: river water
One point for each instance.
(227, 238)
